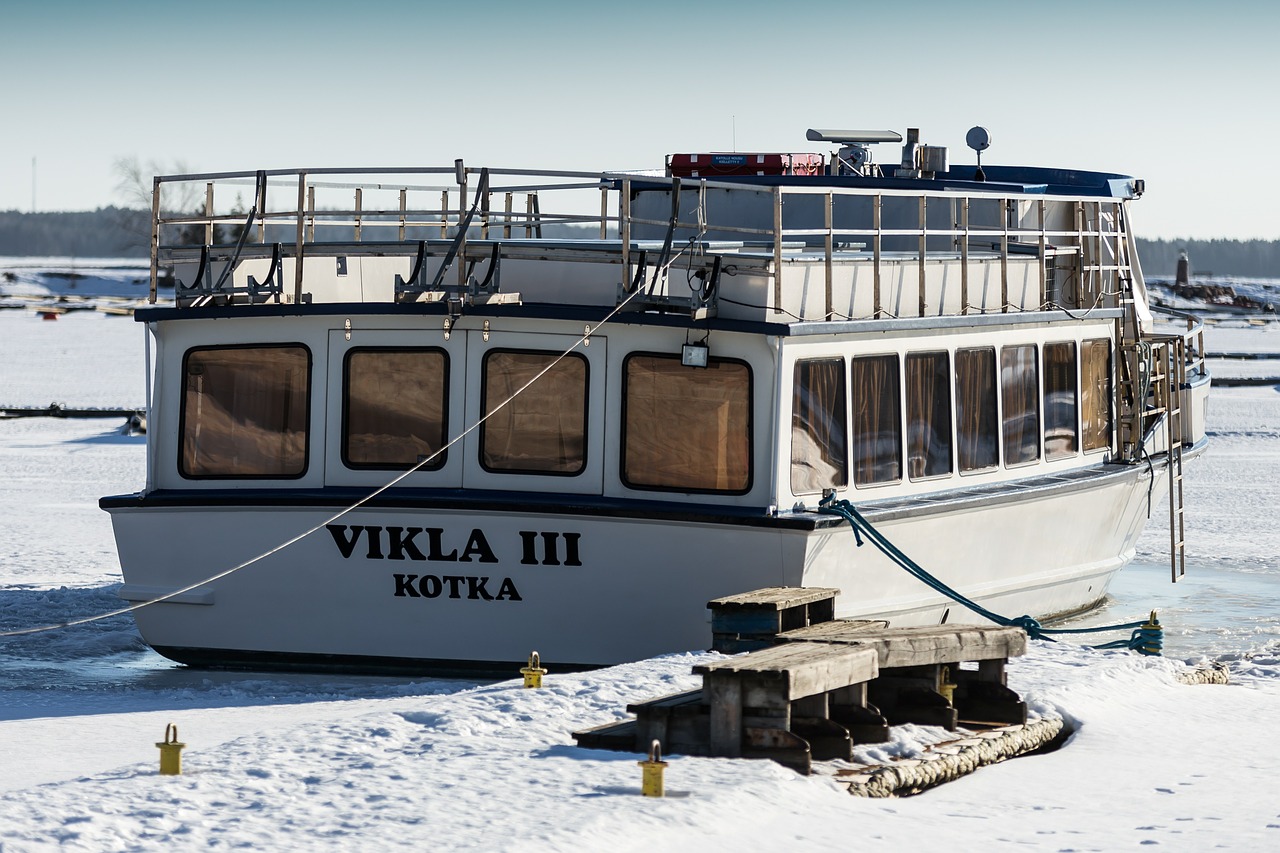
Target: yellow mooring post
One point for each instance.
(946, 686)
(651, 784)
(533, 672)
(171, 752)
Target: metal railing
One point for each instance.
(1079, 243)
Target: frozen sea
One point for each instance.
(311, 762)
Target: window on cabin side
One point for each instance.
(1061, 401)
(819, 445)
(976, 446)
(928, 414)
(1095, 393)
(1020, 395)
(543, 429)
(686, 428)
(244, 412)
(877, 420)
(394, 408)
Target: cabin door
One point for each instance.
(544, 430)
(395, 401)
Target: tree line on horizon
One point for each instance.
(110, 232)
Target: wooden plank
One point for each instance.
(774, 597)
(898, 647)
(801, 669)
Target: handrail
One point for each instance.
(1088, 230)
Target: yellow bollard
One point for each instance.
(946, 686)
(171, 752)
(533, 672)
(651, 784)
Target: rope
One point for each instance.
(1147, 637)
(397, 479)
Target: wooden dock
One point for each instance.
(811, 687)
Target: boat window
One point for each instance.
(818, 432)
(976, 409)
(542, 430)
(1020, 395)
(394, 408)
(928, 414)
(1061, 400)
(1095, 393)
(244, 412)
(686, 428)
(877, 420)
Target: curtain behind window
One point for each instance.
(1095, 393)
(1020, 393)
(877, 420)
(543, 430)
(819, 448)
(244, 412)
(928, 414)
(1061, 406)
(686, 428)
(976, 409)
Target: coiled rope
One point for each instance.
(1147, 637)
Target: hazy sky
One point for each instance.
(1181, 94)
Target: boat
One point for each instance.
(434, 419)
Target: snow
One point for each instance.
(305, 762)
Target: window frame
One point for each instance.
(622, 428)
(843, 416)
(555, 355)
(948, 422)
(182, 410)
(1037, 397)
(1044, 400)
(1109, 397)
(343, 446)
(995, 410)
(899, 417)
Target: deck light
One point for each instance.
(694, 355)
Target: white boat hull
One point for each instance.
(480, 590)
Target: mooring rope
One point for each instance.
(662, 269)
(1147, 637)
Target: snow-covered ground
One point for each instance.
(310, 762)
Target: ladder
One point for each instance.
(1168, 380)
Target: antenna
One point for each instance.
(979, 139)
(854, 157)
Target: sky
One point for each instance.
(1172, 92)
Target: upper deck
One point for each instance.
(775, 249)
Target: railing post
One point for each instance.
(155, 238)
(924, 225)
(964, 257)
(404, 206)
(875, 243)
(1004, 256)
(506, 220)
(777, 250)
(1044, 262)
(604, 213)
(624, 230)
(830, 247)
(303, 196)
(359, 209)
(208, 213)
